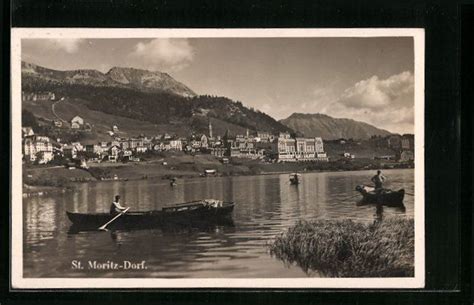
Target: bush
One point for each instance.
(349, 249)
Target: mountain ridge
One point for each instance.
(121, 77)
(126, 93)
(330, 128)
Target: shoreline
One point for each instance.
(59, 179)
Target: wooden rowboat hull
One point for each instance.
(385, 197)
(198, 214)
(294, 181)
(390, 198)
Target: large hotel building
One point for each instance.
(299, 149)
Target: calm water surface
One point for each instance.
(266, 205)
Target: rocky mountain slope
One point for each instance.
(136, 79)
(329, 128)
(148, 81)
(145, 96)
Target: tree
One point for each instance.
(28, 119)
(226, 142)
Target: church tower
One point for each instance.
(210, 129)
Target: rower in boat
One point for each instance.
(295, 178)
(378, 181)
(116, 207)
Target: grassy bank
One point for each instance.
(349, 249)
(55, 176)
(182, 165)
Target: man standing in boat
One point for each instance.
(116, 207)
(378, 181)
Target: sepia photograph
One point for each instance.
(161, 158)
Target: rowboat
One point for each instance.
(383, 196)
(199, 212)
(295, 179)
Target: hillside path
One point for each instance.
(54, 111)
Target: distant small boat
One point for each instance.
(295, 179)
(202, 211)
(384, 196)
(209, 172)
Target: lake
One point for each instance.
(266, 205)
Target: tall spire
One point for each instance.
(210, 129)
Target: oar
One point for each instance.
(409, 194)
(110, 221)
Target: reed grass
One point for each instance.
(349, 249)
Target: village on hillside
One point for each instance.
(43, 147)
(40, 149)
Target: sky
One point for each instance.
(365, 79)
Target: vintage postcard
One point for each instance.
(210, 158)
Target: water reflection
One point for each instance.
(266, 205)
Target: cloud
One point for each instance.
(68, 45)
(163, 54)
(377, 94)
(385, 103)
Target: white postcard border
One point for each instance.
(19, 282)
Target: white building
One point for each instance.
(39, 96)
(78, 146)
(204, 141)
(176, 144)
(27, 132)
(77, 122)
(38, 148)
(127, 154)
(141, 149)
(299, 149)
(264, 136)
(319, 146)
(113, 153)
(245, 147)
